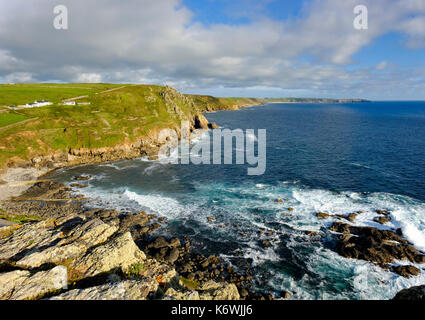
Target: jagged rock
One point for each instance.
(382, 220)
(383, 212)
(182, 295)
(406, 271)
(208, 291)
(415, 293)
(158, 243)
(201, 122)
(130, 220)
(212, 125)
(175, 243)
(381, 247)
(155, 269)
(120, 252)
(285, 295)
(73, 245)
(244, 293)
(124, 290)
(30, 236)
(352, 216)
(224, 291)
(322, 215)
(312, 233)
(172, 256)
(21, 285)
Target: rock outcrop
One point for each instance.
(382, 247)
(123, 290)
(121, 252)
(22, 285)
(208, 291)
(415, 293)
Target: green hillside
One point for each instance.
(19, 94)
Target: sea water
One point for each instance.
(334, 158)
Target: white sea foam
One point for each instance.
(252, 207)
(164, 206)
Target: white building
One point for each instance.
(41, 103)
(69, 103)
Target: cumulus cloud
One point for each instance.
(153, 41)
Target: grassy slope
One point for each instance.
(24, 93)
(209, 103)
(112, 118)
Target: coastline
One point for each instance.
(23, 189)
(19, 183)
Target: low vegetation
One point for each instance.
(116, 114)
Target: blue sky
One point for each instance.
(272, 48)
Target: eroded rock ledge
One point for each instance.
(74, 253)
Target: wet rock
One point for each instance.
(158, 243)
(120, 252)
(312, 233)
(22, 285)
(131, 220)
(415, 293)
(82, 178)
(382, 220)
(382, 247)
(285, 295)
(172, 256)
(322, 215)
(352, 216)
(124, 290)
(406, 271)
(266, 244)
(78, 185)
(175, 243)
(383, 212)
(244, 293)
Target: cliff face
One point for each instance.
(123, 124)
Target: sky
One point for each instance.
(254, 48)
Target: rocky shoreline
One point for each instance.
(63, 250)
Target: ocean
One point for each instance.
(334, 158)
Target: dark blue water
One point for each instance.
(368, 147)
(337, 158)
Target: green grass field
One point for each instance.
(20, 94)
(8, 118)
(123, 115)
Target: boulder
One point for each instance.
(415, 293)
(22, 285)
(208, 291)
(120, 252)
(382, 219)
(124, 290)
(382, 247)
(172, 256)
(406, 271)
(69, 244)
(322, 215)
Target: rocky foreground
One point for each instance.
(61, 250)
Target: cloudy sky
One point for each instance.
(272, 48)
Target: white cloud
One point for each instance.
(89, 78)
(157, 41)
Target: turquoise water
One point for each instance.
(333, 158)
